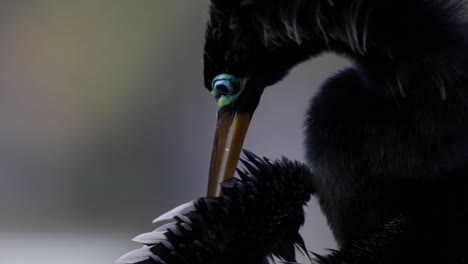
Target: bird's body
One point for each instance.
(374, 160)
(387, 138)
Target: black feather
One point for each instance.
(256, 212)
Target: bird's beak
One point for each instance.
(225, 120)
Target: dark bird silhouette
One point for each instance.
(386, 140)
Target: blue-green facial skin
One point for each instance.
(232, 89)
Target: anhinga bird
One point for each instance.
(386, 139)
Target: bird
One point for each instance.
(386, 139)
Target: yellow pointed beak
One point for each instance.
(223, 127)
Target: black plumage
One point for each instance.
(387, 138)
(256, 219)
(258, 210)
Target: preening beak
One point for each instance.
(223, 127)
(236, 104)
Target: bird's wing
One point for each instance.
(257, 217)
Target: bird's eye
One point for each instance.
(226, 85)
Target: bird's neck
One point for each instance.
(406, 38)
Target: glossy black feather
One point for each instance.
(256, 218)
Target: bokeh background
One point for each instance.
(105, 124)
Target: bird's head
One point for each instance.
(245, 51)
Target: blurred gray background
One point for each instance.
(105, 124)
